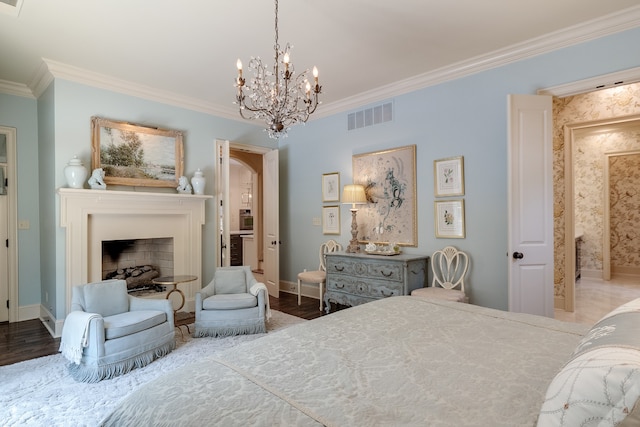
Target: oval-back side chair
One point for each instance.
(449, 267)
(319, 276)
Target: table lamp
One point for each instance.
(354, 194)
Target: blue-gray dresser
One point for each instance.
(357, 278)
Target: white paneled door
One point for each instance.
(270, 169)
(221, 168)
(4, 250)
(530, 204)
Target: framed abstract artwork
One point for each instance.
(389, 179)
(449, 219)
(449, 176)
(331, 187)
(136, 155)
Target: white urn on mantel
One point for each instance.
(75, 173)
(197, 182)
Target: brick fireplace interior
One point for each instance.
(138, 261)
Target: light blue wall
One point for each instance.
(46, 150)
(75, 104)
(20, 113)
(465, 117)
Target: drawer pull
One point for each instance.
(386, 294)
(339, 268)
(340, 285)
(386, 275)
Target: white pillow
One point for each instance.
(600, 385)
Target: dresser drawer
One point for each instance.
(391, 271)
(354, 278)
(364, 287)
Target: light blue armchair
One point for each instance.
(115, 332)
(233, 303)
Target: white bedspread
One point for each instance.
(401, 361)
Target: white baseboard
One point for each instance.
(53, 325)
(307, 290)
(28, 312)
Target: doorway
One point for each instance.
(612, 95)
(266, 204)
(587, 150)
(245, 201)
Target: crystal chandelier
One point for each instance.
(281, 98)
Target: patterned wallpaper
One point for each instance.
(606, 103)
(589, 158)
(624, 172)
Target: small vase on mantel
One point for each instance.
(197, 182)
(76, 173)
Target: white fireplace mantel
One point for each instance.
(91, 216)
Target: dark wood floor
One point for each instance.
(29, 339)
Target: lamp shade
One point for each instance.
(354, 194)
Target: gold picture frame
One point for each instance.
(331, 187)
(448, 177)
(449, 219)
(136, 155)
(331, 220)
(389, 179)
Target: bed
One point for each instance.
(401, 361)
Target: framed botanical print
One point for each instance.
(449, 219)
(331, 187)
(331, 220)
(449, 177)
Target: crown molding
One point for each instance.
(17, 89)
(590, 30)
(595, 83)
(51, 69)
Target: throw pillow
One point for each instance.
(600, 385)
(106, 298)
(230, 281)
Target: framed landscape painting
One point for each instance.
(389, 180)
(136, 155)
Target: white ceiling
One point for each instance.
(364, 49)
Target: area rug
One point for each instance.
(40, 392)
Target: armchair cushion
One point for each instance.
(123, 324)
(230, 281)
(116, 332)
(230, 302)
(103, 298)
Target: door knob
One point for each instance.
(518, 255)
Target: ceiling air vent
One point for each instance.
(10, 7)
(370, 116)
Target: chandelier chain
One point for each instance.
(277, 45)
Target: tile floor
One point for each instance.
(595, 298)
